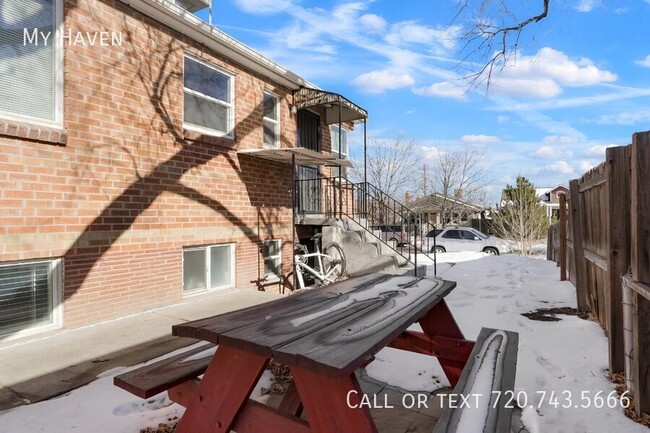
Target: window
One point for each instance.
(451, 234)
(208, 99)
(31, 60)
(334, 132)
(29, 295)
(468, 235)
(210, 267)
(272, 258)
(271, 120)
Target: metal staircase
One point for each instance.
(364, 208)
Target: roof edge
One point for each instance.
(193, 27)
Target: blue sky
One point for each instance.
(581, 80)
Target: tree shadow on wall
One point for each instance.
(157, 64)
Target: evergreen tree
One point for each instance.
(521, 218)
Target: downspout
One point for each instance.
(365, 167)
(293, 217)
(340, 167)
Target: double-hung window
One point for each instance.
(29, 295)
(208, 98)
(31, 65)
(337, 145)
(271, 120)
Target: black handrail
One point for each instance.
(370, 208)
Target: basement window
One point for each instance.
(272, 253)
(29, 295)
(208, 267)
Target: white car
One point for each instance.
(454, 239)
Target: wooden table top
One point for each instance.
(332, 330)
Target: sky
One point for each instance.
(577, 82)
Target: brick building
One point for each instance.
(124, 185)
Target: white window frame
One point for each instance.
(57, 79)
(207, 265)
(273, 122)
(56, 289)
(230, 106)
(335, 133)
(273, 276)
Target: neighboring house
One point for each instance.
(438, 209)
(146, 164)
(550, 199)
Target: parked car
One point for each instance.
(453, 239)
(393, 235)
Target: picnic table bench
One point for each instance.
(324, 335)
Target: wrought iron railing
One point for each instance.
(379, 214)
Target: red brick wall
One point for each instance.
(130, 187)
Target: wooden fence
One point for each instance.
(606, 232)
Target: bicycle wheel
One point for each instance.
(333, 257)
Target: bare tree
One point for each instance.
(521, 218)
(460, 178)
(494, 38)
(392, 165)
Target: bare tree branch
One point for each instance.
(495, 42)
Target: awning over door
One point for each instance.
(303, 157)
(336, 106)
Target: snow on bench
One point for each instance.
(486, 385)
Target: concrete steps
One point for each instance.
(363, 252)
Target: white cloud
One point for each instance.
(587, 5)
(526, 87)
(502, 118)
(550, 125)
(625, 118)
(585, 166)
(561, 167)
(480, 139)
(263, 6)
(380, 81)
(562, 139)
(550, 152)
(645, 62)
(372, 22)
(544, 74)
(597, 150)
(409, 32)
(443, 90)
(431, 152)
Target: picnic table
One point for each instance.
(323, 335)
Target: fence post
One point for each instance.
(562, 238)
(618, 217)
(640, 257)
(578, 252)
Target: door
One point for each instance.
(309, 184)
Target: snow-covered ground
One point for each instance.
(556, 360)
(566, 358)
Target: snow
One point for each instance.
(101, 407)
(565, 357)
(568, 356)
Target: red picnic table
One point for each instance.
(323, 335)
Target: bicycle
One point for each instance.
(329, 266)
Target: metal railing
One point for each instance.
(379, 214)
